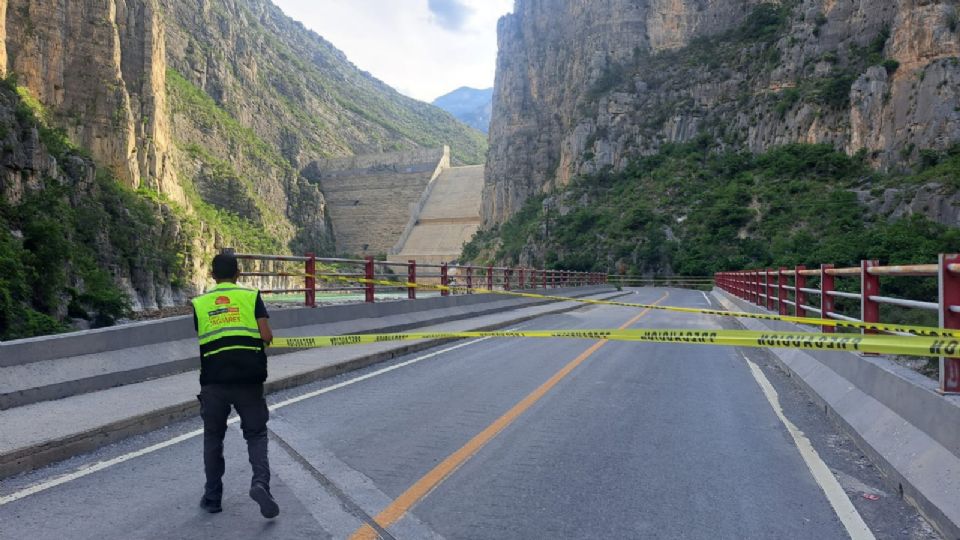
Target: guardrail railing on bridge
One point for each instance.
(411, 273)
(784, 290)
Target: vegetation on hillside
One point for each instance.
(61, 245)
(329, 105)
(242, 217)
(753, 50)
(693, 211)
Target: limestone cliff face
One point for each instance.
(586, 84)
(70, 237)
(98, 67)
(3, 38)
(211, 108)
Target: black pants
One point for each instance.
(215, 402)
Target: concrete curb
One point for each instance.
(188, 361)
(892, 413)
(128, 336)
(51, 451)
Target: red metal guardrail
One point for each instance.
(480, 277)
(772, 289)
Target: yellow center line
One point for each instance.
(415, 493)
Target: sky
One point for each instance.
(423, 48)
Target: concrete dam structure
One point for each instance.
(448, 219)
(405, 205)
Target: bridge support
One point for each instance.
(800, 282)
(781, 291)
(869, 286)
(444, 279)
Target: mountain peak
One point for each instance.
(471, 106)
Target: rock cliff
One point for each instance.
(205, 112)
(582, 85)
(99, 68)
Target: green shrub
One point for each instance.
(834, 91)
(68, 236)
(786, 101)
(764, 23)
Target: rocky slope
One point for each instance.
(205, 111)
(75, 242)
(583, 84)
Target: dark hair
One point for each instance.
(225, 266)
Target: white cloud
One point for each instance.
(423, 48)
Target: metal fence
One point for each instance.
(345, 275)
(790, 292)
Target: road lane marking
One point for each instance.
(851, 519)
(99, 466)
(348, 504)
(430, 481)
(350, 485)
(328, 511)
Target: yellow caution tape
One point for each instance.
(876, 344)
(874, 327)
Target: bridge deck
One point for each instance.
(622, 440)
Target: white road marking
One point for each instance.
(831, 487)
(99, 466)
(707, 298)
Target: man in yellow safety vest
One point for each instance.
(233, 328)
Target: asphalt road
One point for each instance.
(499, 439)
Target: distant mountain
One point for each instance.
(469, 105)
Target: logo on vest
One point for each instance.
(222, 300)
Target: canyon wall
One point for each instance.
(99, 69)
(205, 112)
(582, 85)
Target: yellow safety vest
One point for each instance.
(226, 320)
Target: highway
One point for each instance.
(503, 439)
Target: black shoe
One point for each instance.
(211, 506)
(268, 507)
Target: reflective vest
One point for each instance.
(231, 349)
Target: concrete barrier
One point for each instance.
(23, 351)
(43, 433)
(55, 367)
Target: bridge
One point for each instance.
(495, 437)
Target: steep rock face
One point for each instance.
(207, 111)
(584, 85)
(3, 38)
(98, 67)
(263, 97)
(71, 236)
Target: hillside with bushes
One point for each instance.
(693, 209)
